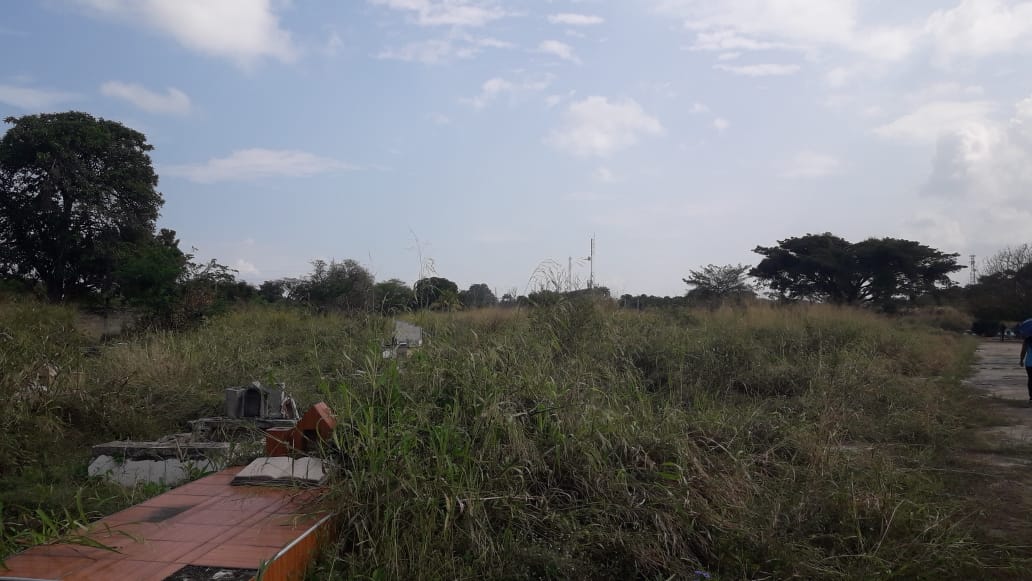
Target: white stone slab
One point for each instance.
(169, 472)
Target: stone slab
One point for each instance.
(161, 450)
(129, 473)
(282, 470)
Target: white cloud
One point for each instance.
(173, 101)
(446, 12)
(604, 174)
(762, 70)
(944, 91)
(811, 164)
(442, 50)
(334, 44)
(495, 87)
(931, 120)
(698, 108)
(595, 126)
(559, 49)
(976, 193)
(243, 31)
(246, 268)
(795, 25)
(32, 99)
(574, 19)
(967, 31)
(725, 40)
(253, 164)
(440, 119)
(721, 124)
(978, 28)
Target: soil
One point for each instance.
(1002, 452)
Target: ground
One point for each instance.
(1005, 451)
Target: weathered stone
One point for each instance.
(178, 448)
(170, 471)
(282, 470)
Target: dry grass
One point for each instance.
(572, 441)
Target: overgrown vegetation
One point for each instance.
(573, 441)
(576, 442)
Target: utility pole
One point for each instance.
(591, 263)
(974, 275)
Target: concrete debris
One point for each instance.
(408, 334)
(171, 460)
(313, 430)
(168, 472)
(406, 337)
(256, 413)
(178, 446)
(255, 401)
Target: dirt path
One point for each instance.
(1004, 451)
(998, 374)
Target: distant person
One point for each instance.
(1026, 361)
(1003, 332)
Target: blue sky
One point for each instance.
(488, 136)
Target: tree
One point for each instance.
(148, 274)
(825, 267)
(392, 296)
(1002, 296)
(273, 291)
(343, 285)
(1004, 289)
(478, 296)
(436, 293)
(714, 284)
(73, 191)
(1009, 260)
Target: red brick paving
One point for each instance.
(206, 522)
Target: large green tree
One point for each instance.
(392, 296)
(345, 285)
(478, 296)
(436, 293)
(74, 192)
(149, 274)
(881, 271)
(713, 284)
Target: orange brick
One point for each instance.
(318, 421)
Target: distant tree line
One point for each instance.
(349, 286)
(79, 205)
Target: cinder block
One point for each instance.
(318, 423)
(282, 441)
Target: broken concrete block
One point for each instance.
(317, 424)
(129, 473)
(282, 441)
(171, 460)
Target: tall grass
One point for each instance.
(573, 441)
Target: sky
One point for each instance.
(482, 139)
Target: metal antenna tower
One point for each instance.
(591, 262)
(974, 272)
(569, 273)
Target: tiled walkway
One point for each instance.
(207, 522)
